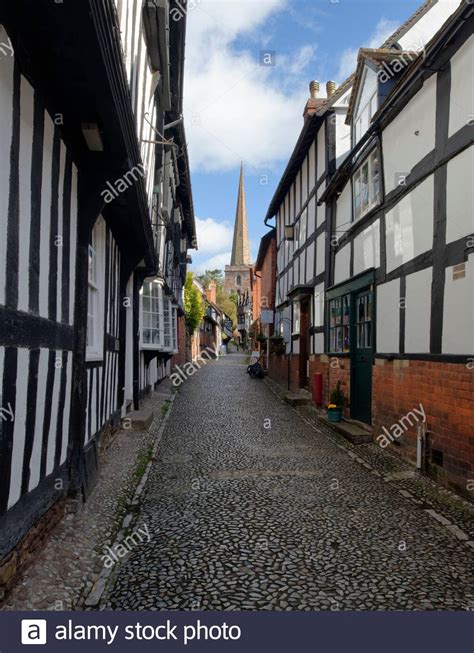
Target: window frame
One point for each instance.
(95, 285)
(153, 284)
(340, 326)
(361, 207)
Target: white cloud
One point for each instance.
(235, 108)
(213, 236)
(348, 60)
(217, 262)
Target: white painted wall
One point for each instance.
(461, 105)
(367, 248)
(319, 343)
(427, 26)
(403, 148)
(320, 258)
(458, 325)
(321, 150)
(311, 216)
(344, 210)
(310, 262)
(342, 264)
(6, 100)
(318, 305)
(460, 196)
(312, 166)
(409, 225)
(418, 312)
(388, 317)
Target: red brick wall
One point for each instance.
(333, 369)
(268, 277)
(180, 357)
(278, 370)
(446, 392)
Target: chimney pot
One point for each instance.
(330, 88)
(314, 89)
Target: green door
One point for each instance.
(362, 356)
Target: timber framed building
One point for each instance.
(95, 201)
(376, 286)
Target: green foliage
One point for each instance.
(211, 275)
(194, 307)
(225, 303)
(337, 396)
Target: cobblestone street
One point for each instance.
(251, 505)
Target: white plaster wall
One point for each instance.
(342, 264)
(458, 312)
(321, 150)
(343, 137)
(460, 196)
(6, 112)
(310, 262)
(418, 312)
(312, 167)
(403, 149)
(319, 343)
(318, 305)
(344, 210)
(320, 241)
(461, 105)
(304, 179)
(311, 216)
(388, 317)
(409, 225)
(367, 248)
(419, 35)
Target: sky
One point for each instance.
(238, 110)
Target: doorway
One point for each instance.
(362, 355)
(304, 343)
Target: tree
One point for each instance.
(194, 307)
(211, 275)
(226, 303)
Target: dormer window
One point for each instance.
(367, 104)
(366, 185)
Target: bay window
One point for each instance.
(150, 303)
(167, 323)
(95, 292)
(366, 184)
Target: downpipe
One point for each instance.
(421, 447)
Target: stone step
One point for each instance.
(296, 400)
(305, 393)
(351, 432)
(128, 405)
(138, 420)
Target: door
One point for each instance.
(362, 356)
(304, 343)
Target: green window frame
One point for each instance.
(340, 324)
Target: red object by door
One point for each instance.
(318, 388)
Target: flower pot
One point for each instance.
(334, 414)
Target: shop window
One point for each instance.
(150, 303)
(339, 324)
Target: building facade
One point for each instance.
(83, 164)
(375, 275)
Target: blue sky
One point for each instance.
(236, 109)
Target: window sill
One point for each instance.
(93, 357)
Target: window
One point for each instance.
(238, 280)
(364, 117)
(339, 324)
(296, 318)
(364, 322)
(174, 328)
(366, 184)
(94, 343)
(150, 299)
(167, 323)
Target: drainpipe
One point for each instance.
(421, 446)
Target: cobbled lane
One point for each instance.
(250, 507)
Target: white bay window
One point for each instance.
(366, 185)
(151, 330)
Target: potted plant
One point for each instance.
(337, 398)
(262, 339)
(278, 344)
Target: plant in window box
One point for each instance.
(278, 344)
(337, 399)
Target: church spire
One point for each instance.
(240, 244)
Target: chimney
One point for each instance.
(330, 88)
(313, 89)
(211, 292)
(313, 104)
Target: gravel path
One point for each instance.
(250, 505)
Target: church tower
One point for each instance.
(237, 274)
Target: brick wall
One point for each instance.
(17, 561)
(446, 392)
(180, 357)
(278, 370)
(333, 369)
